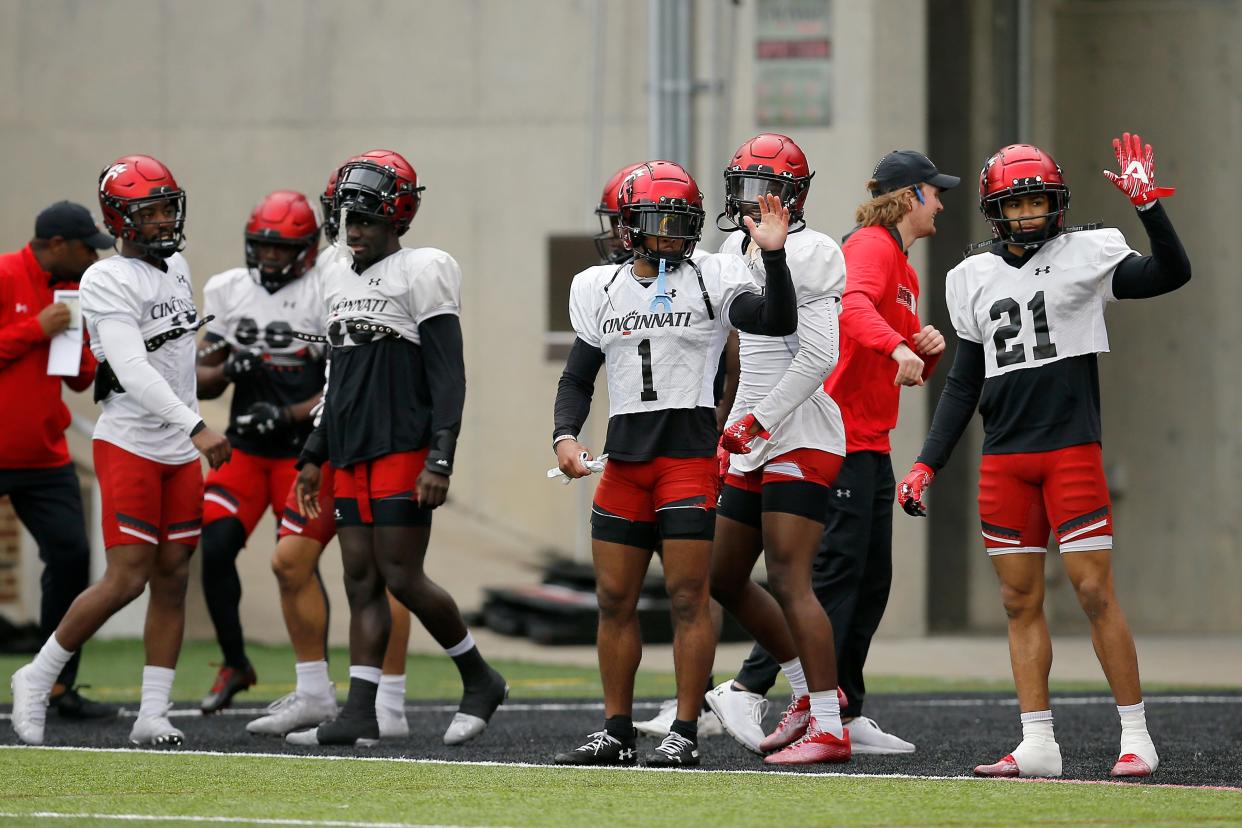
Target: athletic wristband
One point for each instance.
(440, 453)
(563, 437)
(197, 428)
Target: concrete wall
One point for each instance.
(240, 97)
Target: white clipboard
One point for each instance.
(64, 358)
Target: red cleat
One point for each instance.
(1006, 767)
(1131, 764)
(816, 747)
(791, 727)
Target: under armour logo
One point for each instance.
(21, 308)
(442, 463)
(843, 492)
(181, 279)
(1136, 169)
(626, 753)
(336, 514)
(373, 282)
(1043, 271)
(288, 304)
(672, 293)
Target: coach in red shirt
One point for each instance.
(883, 347)
(35, 470)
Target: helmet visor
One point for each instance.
(674, 225)
(747, 188)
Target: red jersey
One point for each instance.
(878, 311)
(33, 436)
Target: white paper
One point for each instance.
(64, 358)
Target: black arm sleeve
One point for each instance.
(776, 312)
(956, 406)
(575, 389)
(315, 449)
(446, 378)
(1165, 270)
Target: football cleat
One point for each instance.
(347, 730)
(29, 706)
(676, 751)
(601, 749)
(1131, 765)
(740, 713)
(293, 712)
(791, 727)
(1030, 758)
(229, 682)
(709, 723)
(866, 737)
(156, 731)
(392, 723)
(476, 709)
(816, 747)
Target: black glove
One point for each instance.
(243, 361)
(263, 418)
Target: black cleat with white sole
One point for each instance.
(601, 749)
(676, 751)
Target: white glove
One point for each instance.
(596, 466)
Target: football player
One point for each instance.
(659, 322)
(276, 380)
(1029, 316)
(304, 600)
(140, 313)
(392, 412)
(787, 443)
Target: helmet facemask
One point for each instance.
(744, 187)
(366, 188)
(644, 221)
(273, 280)
(135, 232)
(1007, 230)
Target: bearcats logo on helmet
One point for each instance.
(1020, 170)
(659, 199)
(283, 217)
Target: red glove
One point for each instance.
(1138, 171)
(722, 458)
(912, 488)
(736, 438)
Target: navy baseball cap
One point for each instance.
(906, 168)
(71, 221)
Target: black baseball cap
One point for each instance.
(71, 221)
(906, 168)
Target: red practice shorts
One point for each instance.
(676, 495)
(245, 486)
(322, 528)
(802, 465)
(382, 492)
(1022, 497)
(148, 502)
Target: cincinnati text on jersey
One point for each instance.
(364, 305)
(176, 305)
(635, 321)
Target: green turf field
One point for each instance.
(114, 671)
(355, 792)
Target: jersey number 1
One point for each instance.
(649, 392)
(1044, 348)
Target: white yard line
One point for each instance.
(240, 820)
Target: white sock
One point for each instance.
(157, 685)
(391, 693)
(826, 709)
(463, 646)
(1134, 735)
(797, 679)
(360, 671)
(313, 679)
(46, 667)
(1037, 727)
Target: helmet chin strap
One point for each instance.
(661, 298)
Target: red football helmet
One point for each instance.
(330, 219)
(659, 200)
(1018, 170)
(126, 186)
(379, 183)
(608, 240)
(768, 164)
(284, 217)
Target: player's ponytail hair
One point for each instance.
(884, 210)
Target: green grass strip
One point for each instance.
(386, 791)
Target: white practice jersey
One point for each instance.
(1049, 309)
(400, 292)
(129, 289)
(817, 266)
(248, 316)
(663, 359)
